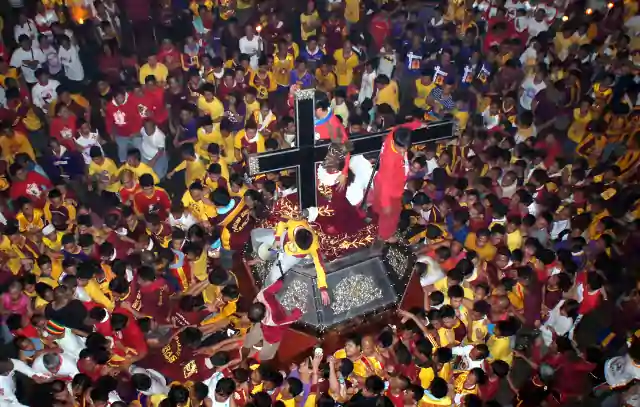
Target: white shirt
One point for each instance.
(67, 366)
(52, 59)
(434, 271)
(529, 53)
(530, 90)
(620, 370)
(388, 62)
(45, 20)
(158, 382)
(252, 48)
(71, 62)
(466, 363)
(8, 384)
(536, 27)
(184, 222)
(70, 343)
(43, 95)
(29, 29)
(20, 56)
(366, 87)
(557, 323)
(151, 143)
(86, 142)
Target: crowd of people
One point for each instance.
(126, 203)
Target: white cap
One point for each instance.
(48, 229)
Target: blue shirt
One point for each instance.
(459, 235)
(446, 101)
(312, 59)
(190, 130)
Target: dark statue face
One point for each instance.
(335, 157)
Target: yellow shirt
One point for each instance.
(160, 72)
(426, 375)
(578, 128)
(360, 367)
(478, 325)
(199, 267)
(389, 95)
(250, 108)
(53, 245)
(486, 252)
(140, 170)
(500, 349)
(199, 209)
(462, 117)
(107, 169)
(69, 207)
(93, 289)
(327, 82)
(215, 109)
(352, 10)
(227, 310)
(204, 139)
(238, 143)
(11, 73)
(282, 69)
(195, 171)
(34, 225)
(308, 19)
(224, 167)
(514, 240)
(240, 193)
(18, 143)
(345, 66)
(422, 92)
(292, 249)
(287, 403)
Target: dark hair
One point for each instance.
(141, 381)
(439, 387)
(118, 321)
(303, 238)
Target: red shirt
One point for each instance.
(158, 202)
(132, 337)
(29, 331)
(275, 324)
(157, 105)
(223, 90)
(333, 31)
(380, 28)
(182, 318)
(144, 104)
(489, 389)
(123, 120)
(34, 187)
(391, 178)
(397, 400)
(15, 113)
(590, 301)
(128, 193)
(122, 248)
(151, 299)
(170, 57)
(64, 130)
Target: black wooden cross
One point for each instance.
(305, 154)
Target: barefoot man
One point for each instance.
(389, 182)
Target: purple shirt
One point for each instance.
(236, 123)
(304, 82)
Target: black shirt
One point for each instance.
(71, 315)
